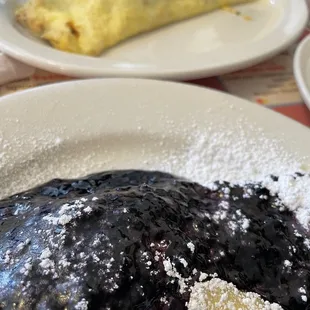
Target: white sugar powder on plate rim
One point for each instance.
(232, 157)
(217, 153)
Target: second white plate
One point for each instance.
(302, 69)
(216, 43)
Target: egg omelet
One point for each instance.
(91, 26)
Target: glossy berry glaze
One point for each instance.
(138, 240)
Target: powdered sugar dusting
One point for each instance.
(191, 246)
(223, 155)
(82, 305)
(294, 193)
(240, 153)
(233, 157)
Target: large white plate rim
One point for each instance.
(302, 69)
(141, 113)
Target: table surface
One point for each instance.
(271, 84)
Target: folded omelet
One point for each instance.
(91, 26)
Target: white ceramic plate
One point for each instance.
(212, 44)
(75, 128)
(302, 69)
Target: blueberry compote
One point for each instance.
(103, 242)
